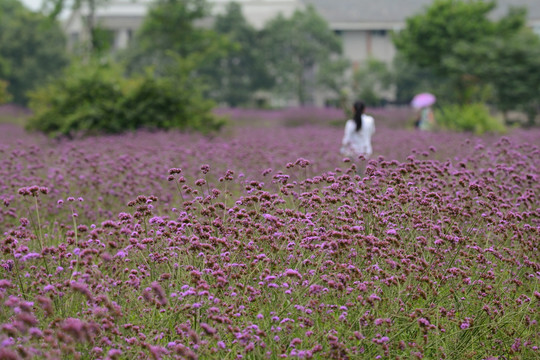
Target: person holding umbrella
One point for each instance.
(423, 103)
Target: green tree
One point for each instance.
(510, 66)
(170, 26)
(32, 48)
(102, 41)
(236, 75)
(432, 36)
(332, 75)
(370, 80)
(97, 42)
(4, 95)
(411, 79)
(295, 47)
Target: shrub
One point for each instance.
(4, 94)
(97, 98)
(163, 103)
(470, 117)
(83, 100)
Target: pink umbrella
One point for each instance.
(423, 100)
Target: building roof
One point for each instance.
(388, 14)
(341, 14)
(387, 11)
(124, 8)
(532, 6)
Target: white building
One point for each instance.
(124, 17)
(364, 25)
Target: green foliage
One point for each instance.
(169, 27)
(410, 79)
(240, 71)
(164, 91)
(84, 99)
(510, 66)
(429, 37)
(471, 117)
(295, 47)
(370, 80)
(449, 39)
(32, 48)
(102, 40)
(332, 75)
(96, 98)
(5, 96)
(99, 40)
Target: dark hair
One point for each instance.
(359, 108)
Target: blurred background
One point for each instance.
(115, 65)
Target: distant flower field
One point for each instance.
(264, 243)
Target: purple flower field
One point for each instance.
(264, 243)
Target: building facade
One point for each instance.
(365, 26)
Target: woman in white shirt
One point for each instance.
(358, 131)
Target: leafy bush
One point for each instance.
(32, 49)
(371, 80)
(164, 103)
(4, 94)
(97, 98)
(470, 117)
(83, 100)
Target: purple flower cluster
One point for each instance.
(264, 243)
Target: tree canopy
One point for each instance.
(99, 40)
(235, 76)
(162, 90)
(294, 47)
(4, 95)
(430, 36)
(32, 48)
(510, 66)
(458, 46)
(171, 27)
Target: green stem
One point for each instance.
(16, 267)
(40, 233)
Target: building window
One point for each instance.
(536, 30)
(338, 32)
(74, 38)
(380, 32)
